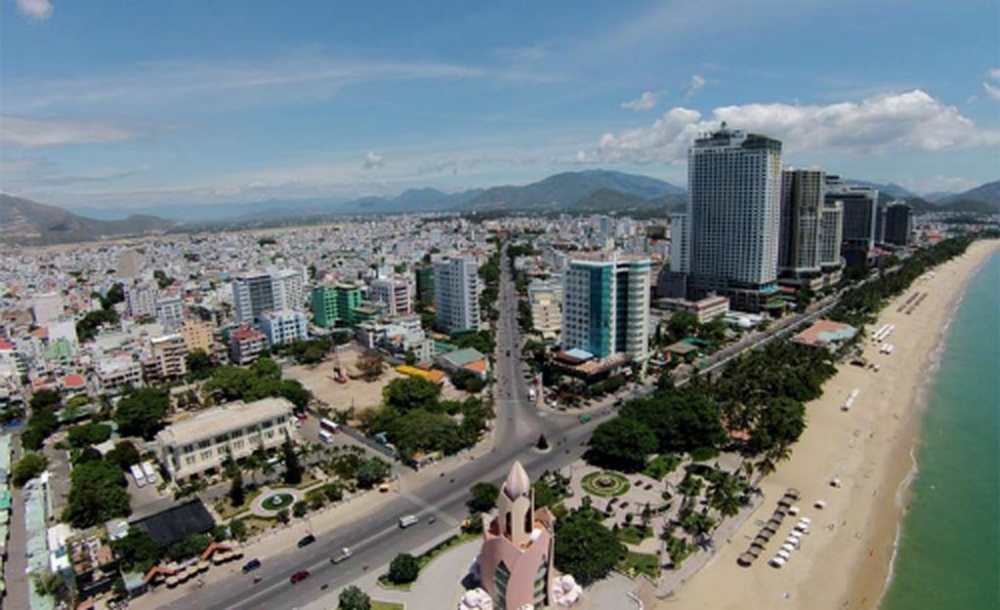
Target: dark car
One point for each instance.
(299, 576)
(251, 565)
(306, 541)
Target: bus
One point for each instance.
(138, 475)
(326, 437)
(329, 425)
(150, 474)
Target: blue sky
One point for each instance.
(125, 104)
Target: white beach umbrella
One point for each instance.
(777, 562)
(784, 554)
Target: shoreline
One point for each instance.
(848, 560)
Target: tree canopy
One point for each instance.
(28, 467)
(411, 393)
(353, 598)
(141, 412)
(586, 549)
(484, 497)
(136, 551)
(622, 444)
(98, 492)
(403, 569)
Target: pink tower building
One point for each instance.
(515, 563)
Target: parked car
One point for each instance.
(299, 576)
(251, 565)
(307, 540)
(342, 555)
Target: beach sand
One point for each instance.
(845, 561)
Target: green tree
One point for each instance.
(371, 472)
(141, 412)
(293, 468)
(136, 551)
(28, 467)
(484, 497)
(371, 364)
(89, 434)
(353, 598)
(300, 508)
(98, 492)
(237, 495)
(586, 549)
(403, 569)
(682, 324)
(411, 393)
(199, 365)
(238, 529)
(295, 393)
(468, 381)
(542, 444)
(124, 454)
(621, 444)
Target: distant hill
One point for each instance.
(892, 190)
(23, 221)
(985, 197)
(569, 189)
(411, 200)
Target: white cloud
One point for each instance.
(647, 100)
(992, 89)
(697, 84)
(906, 122)
(24, 132)
(373, 161)
(35, 10)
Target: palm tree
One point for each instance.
(765, 466)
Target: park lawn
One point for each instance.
(661, 466)
(377, 605)
(633, 534)
(641, 563)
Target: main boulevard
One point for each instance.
(376, 539)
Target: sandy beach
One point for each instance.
(845, 561)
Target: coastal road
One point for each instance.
(378, 538)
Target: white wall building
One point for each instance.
(47, 307)
(734, 209)
(201, 444)
(257, 293)
(285, 326)
(140, 300)
(170, 310)
(395, 295)
(456, 293)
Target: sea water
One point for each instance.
(948, 555)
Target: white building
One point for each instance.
(734, 211)
(169, 357)
(285, 326)
(456, 293)
(606, 306)
(140, 300)
(831, 234)
(395, 295)
(200, 444)
(257, 293)
(680, 251)
(545, 298)
(116, 372)
(47, 307)
(170, 310)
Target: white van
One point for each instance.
(326, 437)
(408, 520)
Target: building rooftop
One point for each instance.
(464, 356)
(826, 332)
(222, 419)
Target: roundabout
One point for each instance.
(271, 501)
(605, 484)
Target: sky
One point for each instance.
(125, 104)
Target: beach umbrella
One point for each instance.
(805, 520)
(237, 553)
(755, 551)
(793, 493)
(796, 534)
(172, 581)
(782, 510)
(784, 554)
(793, 510)
(820, 504)
(788, 546)
(745, 559)
(775, 522)
(202, 566)
(777, 561)
(770, 529)
(786, 501)
(758, 543)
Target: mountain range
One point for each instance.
(23, 221)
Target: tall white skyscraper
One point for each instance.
(734, 209)
(456, 293)
(831, 234)
(802, 192)
(606, 306)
